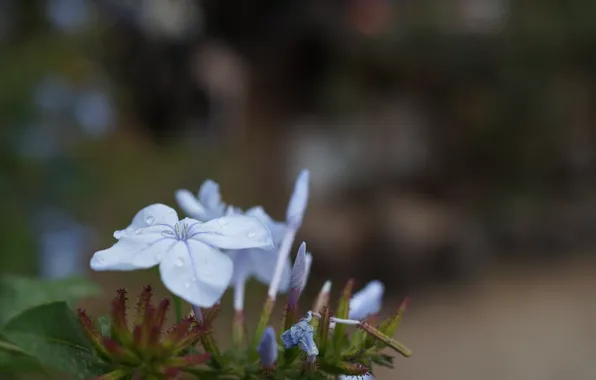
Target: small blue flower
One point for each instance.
(301, 335)
(187, 251)
(268, 348)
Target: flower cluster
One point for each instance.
(145, 351)
(221, 246)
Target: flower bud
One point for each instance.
(298, 202)
(268, 348)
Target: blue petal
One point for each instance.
(196, 272)
(210, 197)
(297, 205)
(367, 301)
(234, 232)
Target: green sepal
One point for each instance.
(343, 309)
(389, 326)
(322, 331)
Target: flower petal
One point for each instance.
(154, 214)
(276, 228)
(367, 301)
(196, 272)
(133, 252)
(234, 232)
(261, 265)
(299, 199)
(190, 204)
(209, 195)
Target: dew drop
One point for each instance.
(252, 235)
(149, 220)
(101, 259)
(179, 262)
(167, 233)
(138, 231)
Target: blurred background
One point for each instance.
(452, 146)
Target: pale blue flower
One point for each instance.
(256, 262)
(206, 206)
(190, 263)
(367, 301)
(301, 335)
(365, 377)
(268, 348)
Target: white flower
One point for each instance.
(207, 206)
(367, 301)
(365, 377)
(190, 263)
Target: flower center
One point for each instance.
(181, 231)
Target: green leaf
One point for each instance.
(51, 334)
(13, 360)
(18, 294)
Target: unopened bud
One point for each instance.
(268, 348)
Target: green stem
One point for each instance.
(263, 321)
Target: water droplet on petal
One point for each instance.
(138, 231)
(149, 220)
(167, 233)
(101, 259)
(222, 222)
(252, 235)
(179, 262)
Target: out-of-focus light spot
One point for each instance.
(170, 19)
(68, 15)
(62, 245)
(53, 95)
(94, 113)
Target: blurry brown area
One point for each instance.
(452, 149)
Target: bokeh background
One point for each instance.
(452, 146)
